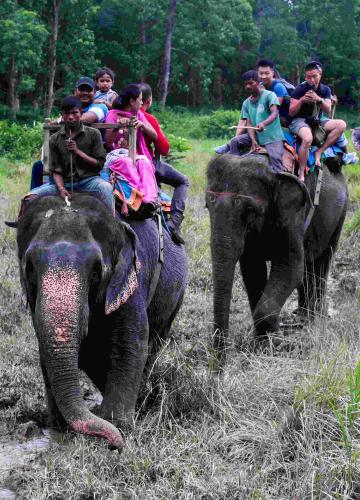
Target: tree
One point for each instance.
(165, 72)
(22, 35)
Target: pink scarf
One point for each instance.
(140, 140)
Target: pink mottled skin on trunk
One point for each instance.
(97, 428)
(60, 295)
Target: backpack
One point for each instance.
(289, 86)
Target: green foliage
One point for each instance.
(353, 225)
(211, 46)
(178, 144)
(350, 410)
(19, 142)
(217, 124)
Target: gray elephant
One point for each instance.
(99, 301)
(258, 216)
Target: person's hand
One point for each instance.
(138, 123)
(72, 147)
(260, 127)
(63, 193)
(311, 96)
(123, 121)
(254, 146)
(112, 178)
(334, 100)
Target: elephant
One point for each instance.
(257, 216)
(100, 301)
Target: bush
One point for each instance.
(217, 124)
(20, 142)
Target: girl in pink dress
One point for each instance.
(142, 175)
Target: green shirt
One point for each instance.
(87, 140)
(258, 111)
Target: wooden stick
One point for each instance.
(333, 111)
(244, 126)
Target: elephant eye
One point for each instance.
(237, 201)
(211, 198)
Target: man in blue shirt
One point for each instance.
(310, 101)
(266, 72)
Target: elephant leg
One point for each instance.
(56, 420)
(128, 355)
(312, 291)
(285, 275)
(254, 273)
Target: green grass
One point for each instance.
(273, 427)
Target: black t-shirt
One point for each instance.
(306, 110)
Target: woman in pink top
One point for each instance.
(142, 175)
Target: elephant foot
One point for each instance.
(124, 422)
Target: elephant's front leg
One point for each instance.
(286, 273)
(254, 273)
(128, 355)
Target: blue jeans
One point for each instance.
(93, 184)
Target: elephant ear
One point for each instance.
(123, 281)
(291, 196)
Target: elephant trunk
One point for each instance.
(224, 260)
(60, 321)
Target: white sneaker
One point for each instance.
(220, 150)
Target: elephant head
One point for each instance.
(255, 216)
(74, 261)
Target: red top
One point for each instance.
(162, 145)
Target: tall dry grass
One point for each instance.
(275, 426)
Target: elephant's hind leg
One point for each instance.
(312, 291)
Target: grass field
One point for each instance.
(279, 424)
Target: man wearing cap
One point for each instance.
(85, 91)
(91, 113)
(310, 101)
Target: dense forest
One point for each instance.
(192, 52)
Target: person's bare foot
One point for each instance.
(317, 155)
(301, 178)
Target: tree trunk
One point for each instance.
(165, 72)
(56, 4)
(13, 84)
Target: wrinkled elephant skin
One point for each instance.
(87, 279)
(258, 217)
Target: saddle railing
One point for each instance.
(51, 127)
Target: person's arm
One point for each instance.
(72, 147)
(59, 181)
(240, 128)
(162, 145)
(254, 144)
(110, 134)
(281, 92)
(273, 115)
(325, 102)
(95, 114)
(146, 128)
(295, 105)
(89, 117)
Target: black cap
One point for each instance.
(85, 80)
